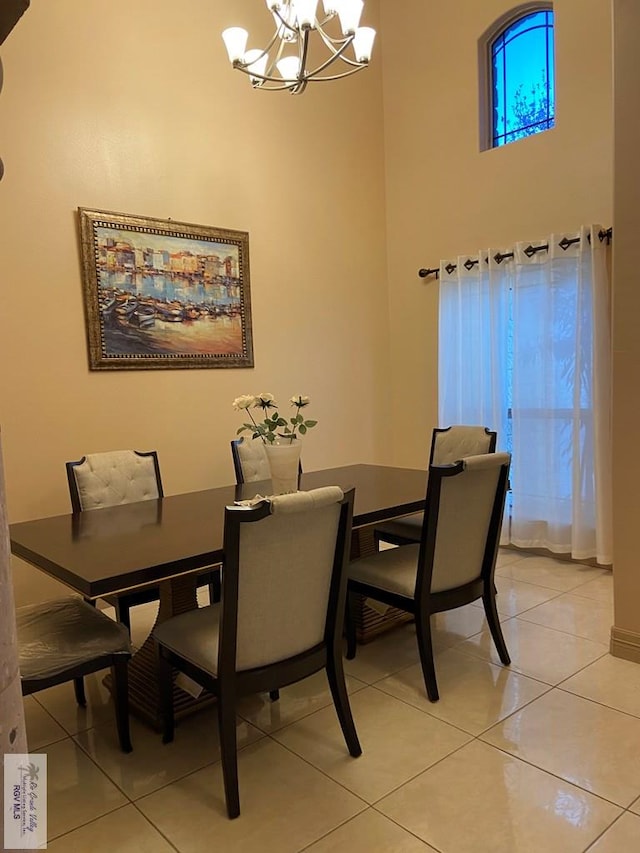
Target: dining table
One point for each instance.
(167, 541)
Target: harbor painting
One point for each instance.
(164, 294)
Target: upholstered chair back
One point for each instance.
(115, 477)
(456, 442)
(250, 460)
(469, 514)
(285, 567)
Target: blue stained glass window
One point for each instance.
(523, 79)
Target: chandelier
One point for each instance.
(282, 64)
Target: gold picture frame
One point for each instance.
(160, 294)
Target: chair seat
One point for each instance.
(393, 570)
(193, 636)
(56, 636)
(407, 527)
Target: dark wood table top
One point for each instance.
(102, 551)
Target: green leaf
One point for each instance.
(303, 429)
(310, 424)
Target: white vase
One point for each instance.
(284, 463)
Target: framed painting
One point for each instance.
(164, 294)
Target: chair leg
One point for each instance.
(335, 676)
(78, 686)
(425, 647)
(120, 680)
(165, 684)
(228, 749)
(350, 625)
(491, 612)
(274, 695)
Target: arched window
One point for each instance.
(521, 75)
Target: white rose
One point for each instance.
(244, 402)
(300, 401)
(264, 401)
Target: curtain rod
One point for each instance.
(603, 234)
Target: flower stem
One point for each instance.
(295, 426)
(255, 424)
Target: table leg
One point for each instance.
(177, 595)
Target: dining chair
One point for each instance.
(280, 619)
(453, 564)
(66, 639)
(448, 444)
(116, 477)
(251, 465)
(250, 462)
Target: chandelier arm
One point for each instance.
(338, 45)
(337, 54)
(322, 23)
(336, 76)
(281, 84)
(303, 51)
(267, 78)
(310, 77)
(354, 62)
(239, 65)
(275, 60)
(332, 43)
(344, 43)
(284, 22)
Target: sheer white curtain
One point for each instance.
(524, 348)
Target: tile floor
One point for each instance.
(541, 756)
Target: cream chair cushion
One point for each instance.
(393, 570)
(115, 477)
(253, 460)
(460, 441)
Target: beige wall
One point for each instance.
(138, 111)
(445, 197)
(133, 107)
(626, 339)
